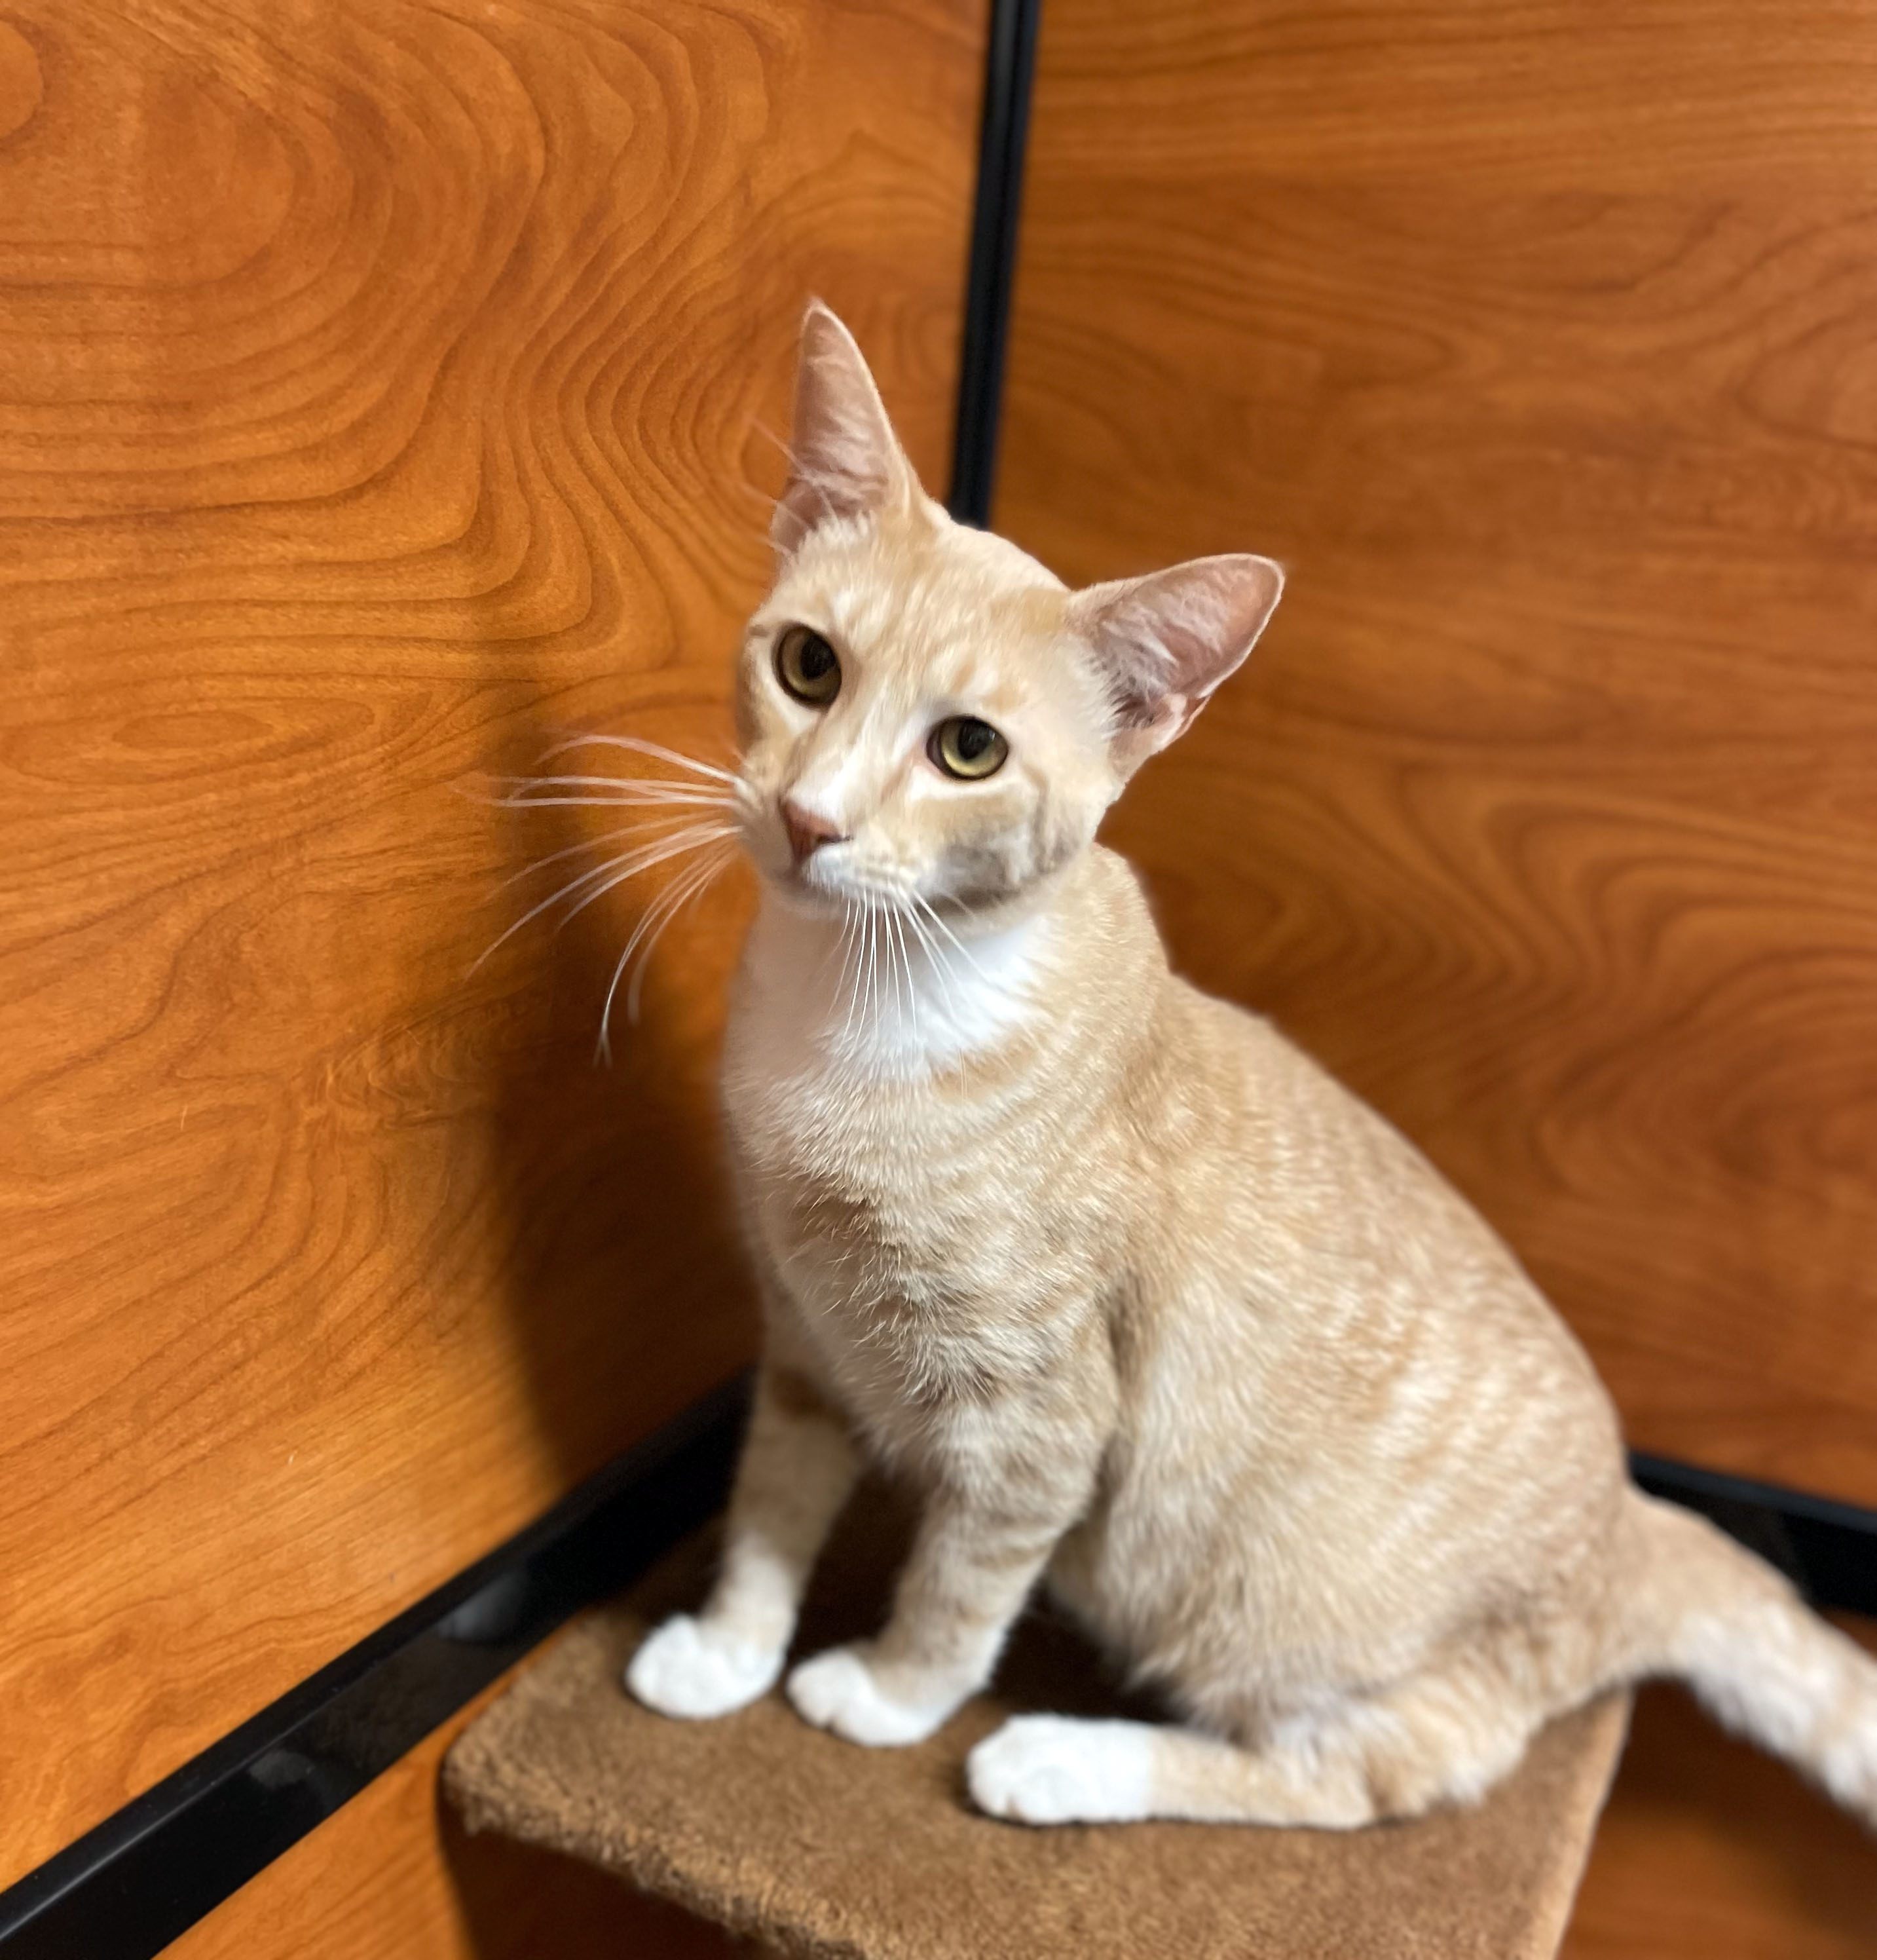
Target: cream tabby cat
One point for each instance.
(1150, 1309)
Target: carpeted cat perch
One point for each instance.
(816, 1847)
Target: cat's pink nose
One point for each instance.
(806, 831)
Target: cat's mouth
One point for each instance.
(819, 883)
(830, 885)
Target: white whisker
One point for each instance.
(869, 1008)
(619, 782)
(696, 815)
(701, 878)
(574, 850)
(656, 916)
(672, 844)
(857, 1014)
(638, 746)
(900, 963)
(603, 877)
(850, 939)
(934, 959)
(520, 791)
(797, 473)
(681, 846)
(552, 898)
(882, 975)
(763, 428)
(603, 1048)
(906, 964)
(932, 912)
(889, 954)
(604, 803)
(838, 945)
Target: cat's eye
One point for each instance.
(967, 747)
(807, 666)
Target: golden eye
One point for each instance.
(806, 666)
(967, 747)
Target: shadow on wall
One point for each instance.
(622, 1271)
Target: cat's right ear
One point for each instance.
(844, 460)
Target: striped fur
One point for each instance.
(1153, 1311)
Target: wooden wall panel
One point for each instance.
(1708, 1849)
(1540, 341)
(394, 1876)
(383, 392)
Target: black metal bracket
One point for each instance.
(1826, 1549)
(1009, 69)
(123, 1891)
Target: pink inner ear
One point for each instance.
(844, 460)
(1166, 640)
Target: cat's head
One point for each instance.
(923, 708)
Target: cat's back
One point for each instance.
(1270, 1140)
(1322, 1294)
(1311, 1307)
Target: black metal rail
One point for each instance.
(123, 1891)
(1010, 66)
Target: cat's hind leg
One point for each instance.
(1393, 1755)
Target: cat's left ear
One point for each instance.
(1163, 643)
(844, 460)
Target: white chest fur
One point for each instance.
(867, 1136)
(880, 999)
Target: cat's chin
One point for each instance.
(808, 896)
(802, 896)
(808, 900)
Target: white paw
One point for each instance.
(837, 1691)
(1050, 1769)
(691, 1667)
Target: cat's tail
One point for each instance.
(1699, 1606)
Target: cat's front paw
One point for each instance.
(692, 1668)
(1051, 1769)
(837, 1690)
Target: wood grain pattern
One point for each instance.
(394, 1876)
(1710, 1850)
(383, 392)
(1541, 343)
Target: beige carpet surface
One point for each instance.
(817, 1847)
